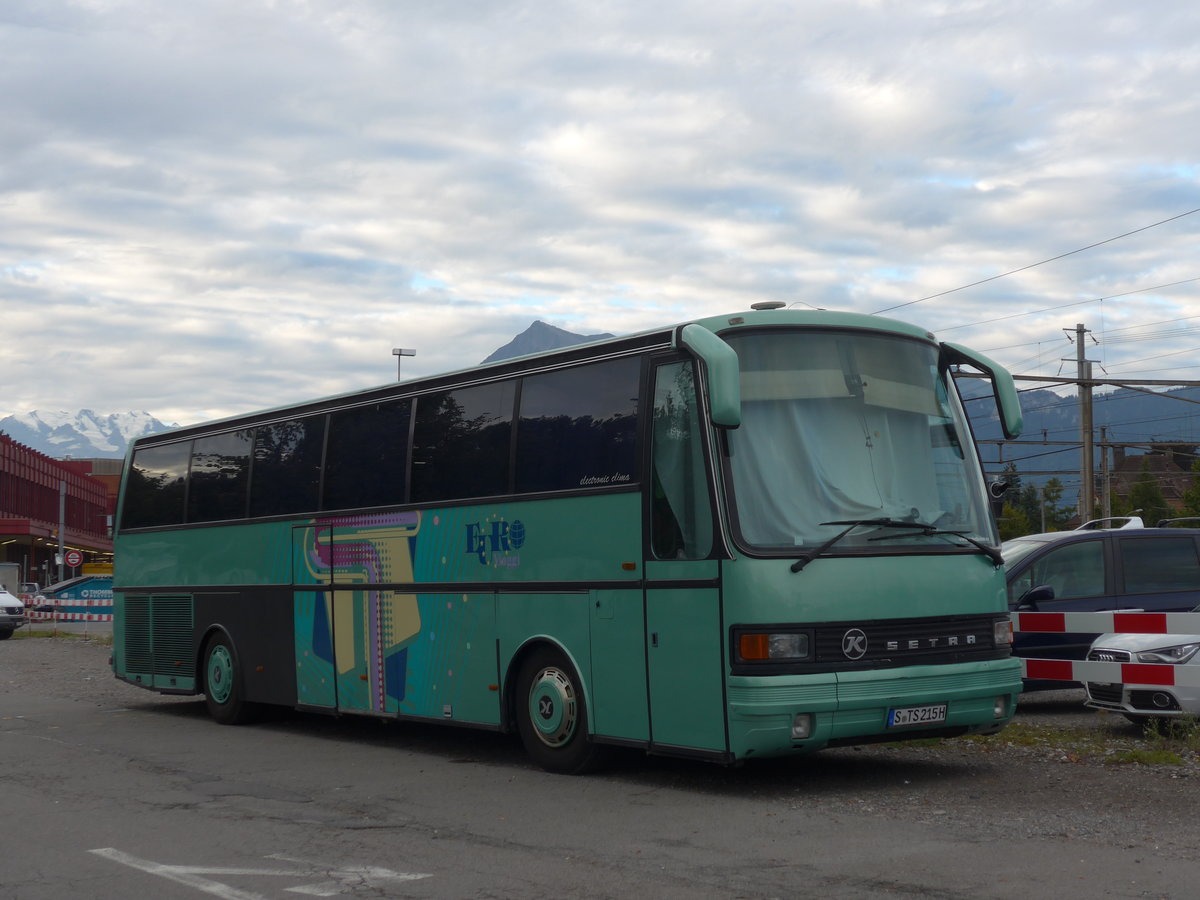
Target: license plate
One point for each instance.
(916, 715)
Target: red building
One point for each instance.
(33, 490)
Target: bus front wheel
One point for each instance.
(223, 689)
(552, 714)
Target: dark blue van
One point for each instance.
(1099, 569)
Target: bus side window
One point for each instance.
(156, 486)
(219, 478)
(680, 513)
(366, 460)
(461, 441)
(578, 428)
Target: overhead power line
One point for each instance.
(1034, 312)
(1036, 264)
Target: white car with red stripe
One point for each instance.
(1166, 698)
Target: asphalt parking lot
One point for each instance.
(1064, 801)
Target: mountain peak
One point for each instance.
(540, 337)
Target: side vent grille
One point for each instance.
(172, 635)
(138, 658)
(158, 637)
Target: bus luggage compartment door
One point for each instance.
(686, 666)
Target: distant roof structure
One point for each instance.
(1172, 479)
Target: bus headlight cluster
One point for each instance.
(774, 646)
(1002, 632)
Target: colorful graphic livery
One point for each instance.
(753, 535)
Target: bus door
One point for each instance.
(312, 610)
(684, 647)
(371, 626)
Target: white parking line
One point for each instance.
(334, 880)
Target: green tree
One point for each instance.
(1057, 514)
(1029, 501)
(1146, 495)
(1191, 497)
(1013, 522)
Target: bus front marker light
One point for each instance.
(1002, 632)
(773, 646)
(802, 726)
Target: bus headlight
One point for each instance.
(1002, 632)
(773, 646)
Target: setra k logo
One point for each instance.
(854, 644)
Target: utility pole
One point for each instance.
(1087, 488)
(62, 526)
(1105, 485)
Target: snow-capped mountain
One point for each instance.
(81, 435)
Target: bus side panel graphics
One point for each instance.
(315, 680)
(381, 651)
(352, 641)
(561, 540)
(312, 618)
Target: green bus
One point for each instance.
(751, 535)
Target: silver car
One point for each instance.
(1145, 703)
(12, 614)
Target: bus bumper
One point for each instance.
(793, 714)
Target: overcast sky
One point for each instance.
(213, 207)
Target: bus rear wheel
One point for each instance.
(552, 714)
(223, 690)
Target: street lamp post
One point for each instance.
(399, 353)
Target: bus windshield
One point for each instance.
(842, 427)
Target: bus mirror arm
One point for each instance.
(1008, 404)
(721, 371)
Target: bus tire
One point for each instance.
(552, 714)
(224, 692)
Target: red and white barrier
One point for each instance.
(1098, 623)
(1162, 674)
(1102, 622)
(73, 611)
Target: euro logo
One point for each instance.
(486, 539)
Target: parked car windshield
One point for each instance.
(1017, 549)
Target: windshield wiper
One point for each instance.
(928, 530)
(852, 524)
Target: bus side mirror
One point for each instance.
(996, 491)
(1008, 404)
(721, 372)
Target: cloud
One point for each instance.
(209, 208)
